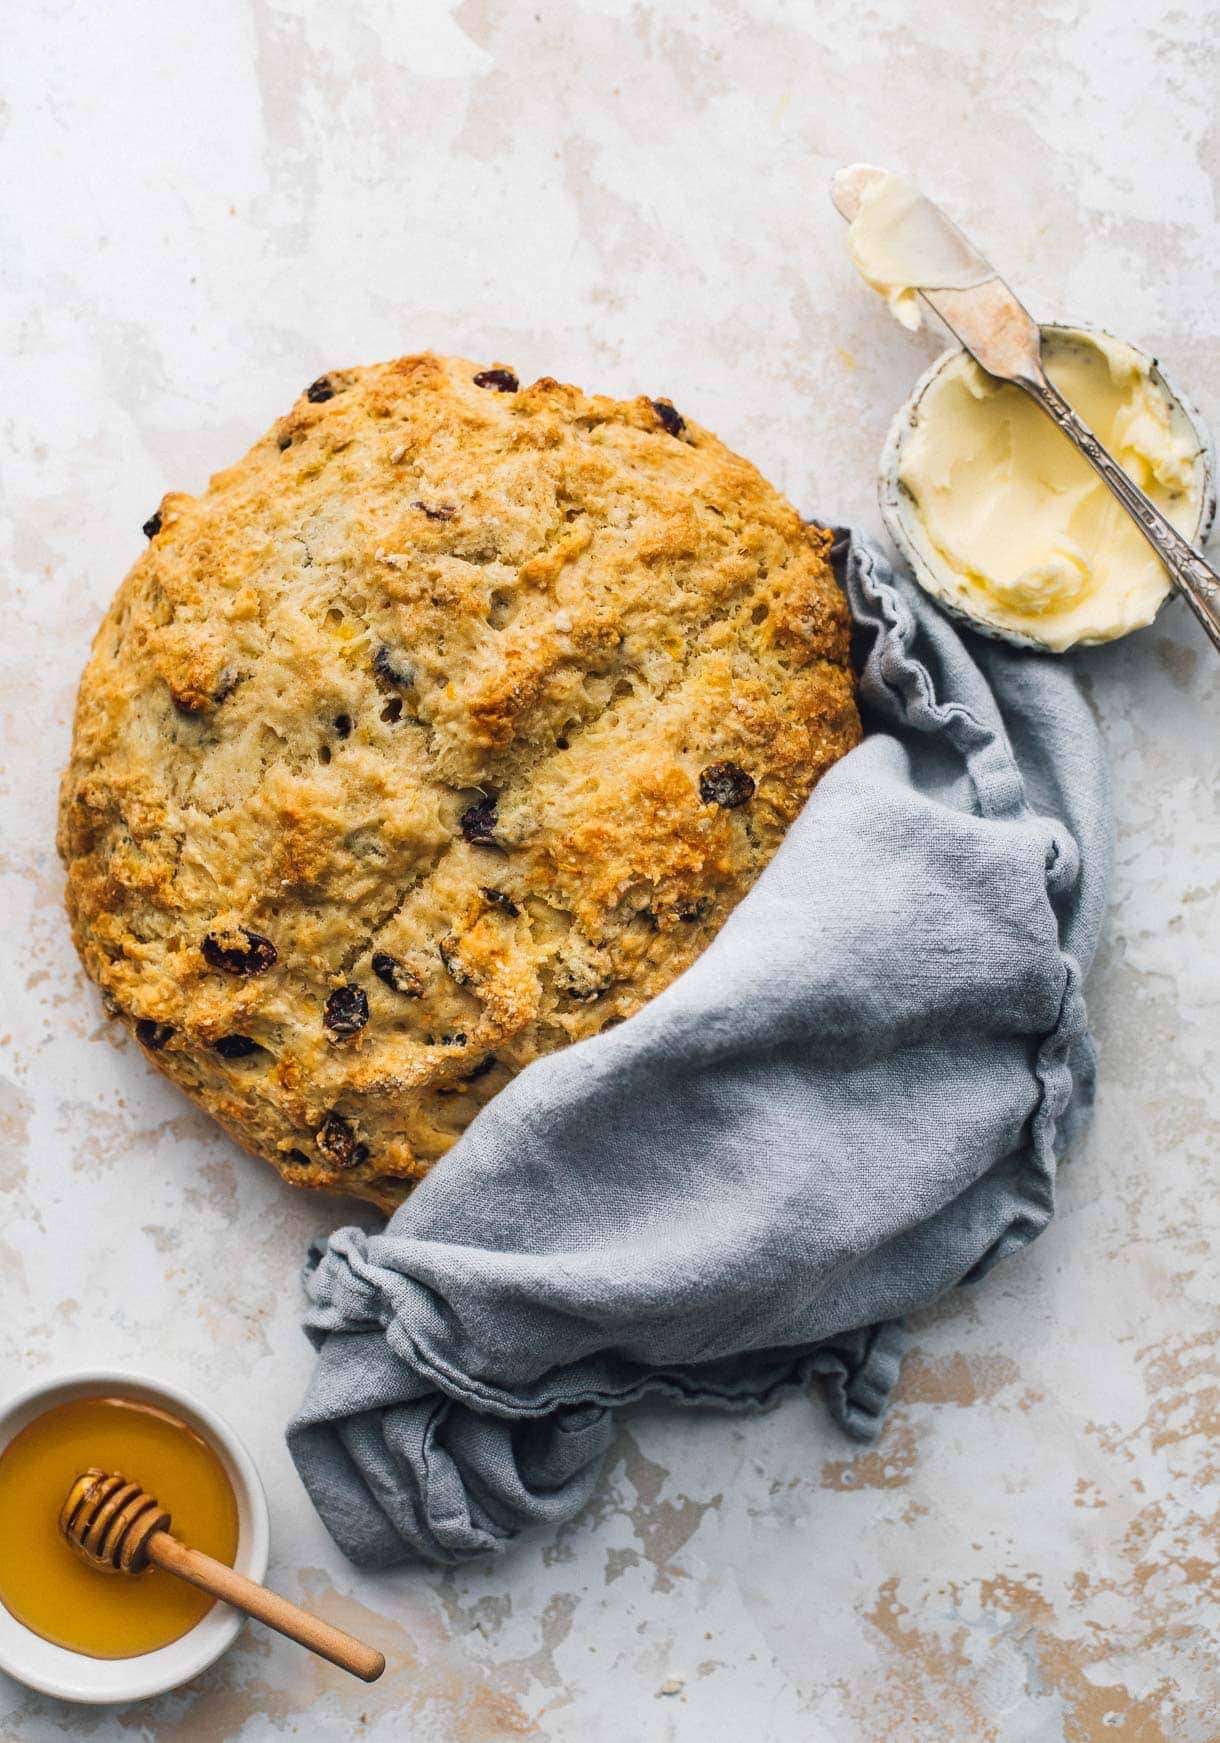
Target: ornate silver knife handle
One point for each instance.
(1190, 573)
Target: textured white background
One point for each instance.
(208, 205)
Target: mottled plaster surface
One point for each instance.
(207, 206)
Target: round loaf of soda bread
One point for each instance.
(441, 731)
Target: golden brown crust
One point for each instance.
(465, 680)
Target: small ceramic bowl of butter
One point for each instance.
(1004, 523)
(100, 1637)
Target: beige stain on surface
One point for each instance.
(16, 1112)
(1092, 1704)
(1183, 1377)
(935, 1683)
(955, 1378)
(888, 1465)
(924, 1690)
(1134, 1672)
(634, 1492)
(428, 1680)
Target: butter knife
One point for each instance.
(1002, 336)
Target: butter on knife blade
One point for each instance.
(901, 243)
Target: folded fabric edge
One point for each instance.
(869, 1367)
(856, 1372)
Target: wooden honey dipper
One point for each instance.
(117, 1526)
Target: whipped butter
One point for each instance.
(1013, 527)
(901, 244)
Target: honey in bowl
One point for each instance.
(45, 1584)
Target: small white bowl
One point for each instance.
(907, 530)
(73, 1676)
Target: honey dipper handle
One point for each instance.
(286, 1618)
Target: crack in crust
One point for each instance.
(606, 610)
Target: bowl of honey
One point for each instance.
(84, 1634)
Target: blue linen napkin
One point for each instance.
(854, 1100)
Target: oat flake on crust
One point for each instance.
(444, 729)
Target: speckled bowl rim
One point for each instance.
(72, 1676)
(905, 529)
